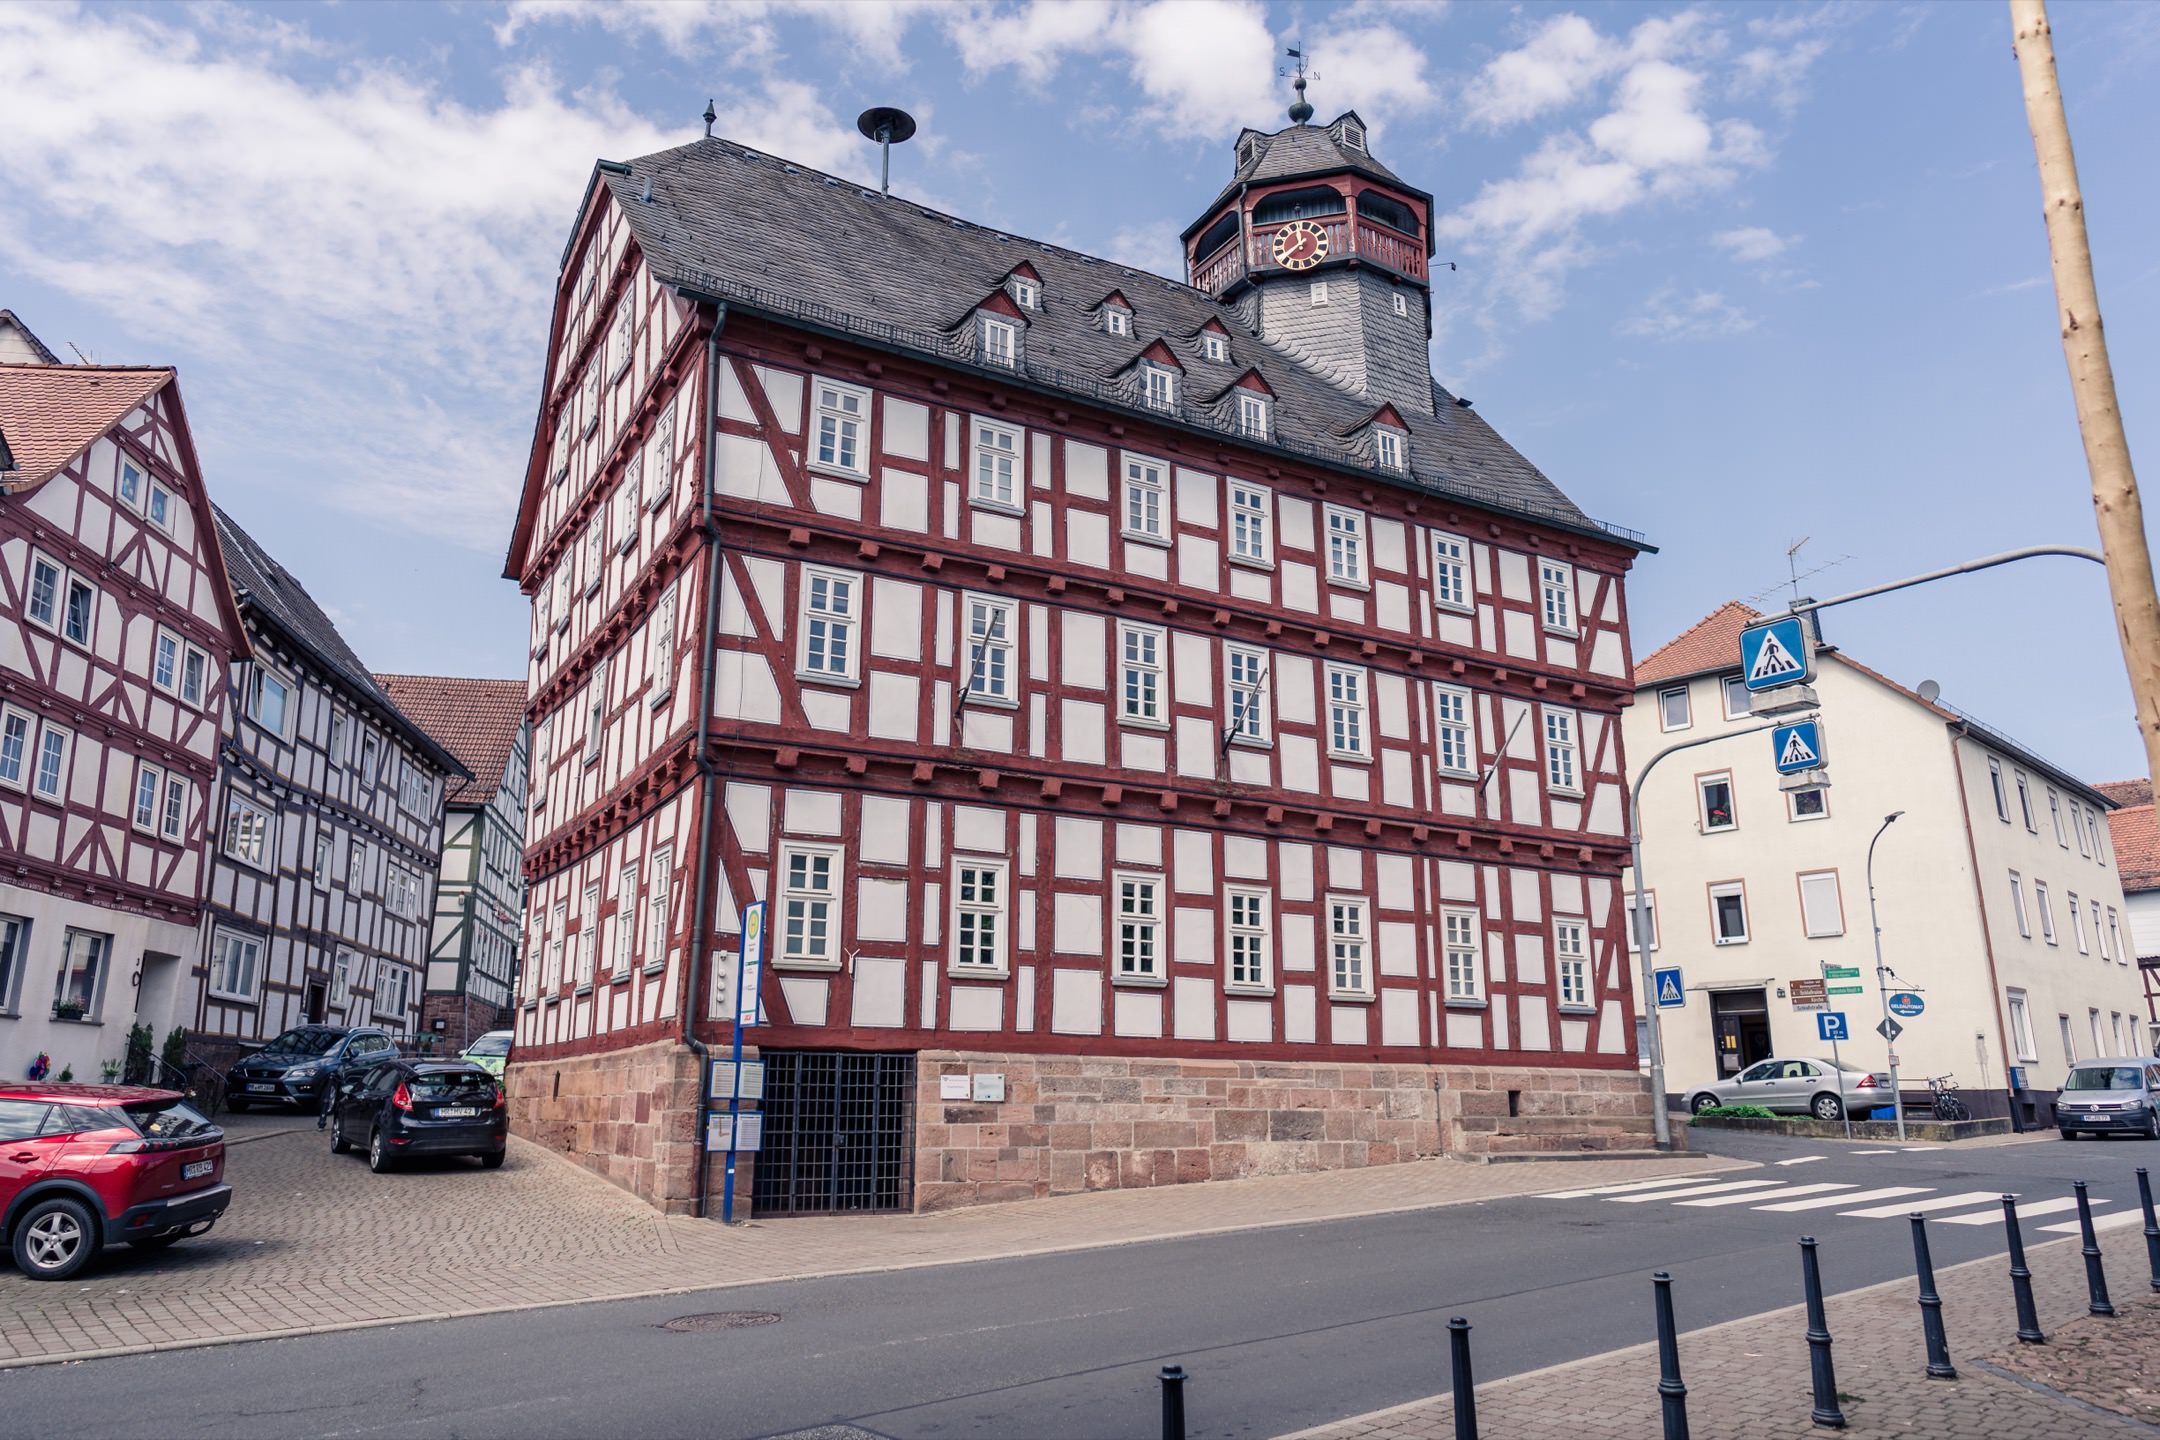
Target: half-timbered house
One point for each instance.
(1174, 736)
(480, 889)
(116, 620)
(330, 823)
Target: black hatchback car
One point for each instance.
(294, 1068)
(421, 1107)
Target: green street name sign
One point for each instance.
(1842, 972)
(1848, 989)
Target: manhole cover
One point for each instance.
(722, 1320)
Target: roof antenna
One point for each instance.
(889, 126)
(710, 116)
(1300, 110)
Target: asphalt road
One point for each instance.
(1278, 1329)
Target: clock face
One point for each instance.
(1300, 245)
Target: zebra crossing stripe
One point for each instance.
(2025, 1212)
(1786, 1193)
(1872, 1152)
(1940, 1202)
(1692, 1193)
(2115, 1221)
(1822, 1202)
(1665, 1183)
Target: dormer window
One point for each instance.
(1214, 346)
(1246, 149)
(1116, 321)
(1252, 415)
(1353, 136)
(1001, 342)
(1161, 388)
(1388, 449)
(1026, 295)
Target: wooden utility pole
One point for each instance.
(2116, 508)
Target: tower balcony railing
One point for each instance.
(1363, 239)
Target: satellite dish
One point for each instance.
(1930, 691)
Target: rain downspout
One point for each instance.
(708, 773)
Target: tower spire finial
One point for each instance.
(710, 116)
(1300, 110)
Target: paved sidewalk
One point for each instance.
(1749, 1379)
(315, 1241)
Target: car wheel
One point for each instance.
(55, 1238)
(378, 1154)
(1701, 1103)
(158, 1242)
(339, 1145)
(492, 1160)
(1827, 1107)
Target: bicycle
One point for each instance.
(1941, 1089)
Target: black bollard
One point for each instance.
(1173, 1402)
(1465, 1387)
(1672, 1394)
(1931, 1321)
(2152, 1226)
(2028, 1331)
(2096, 1296)
(1827, 1413)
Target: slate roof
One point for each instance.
(1298, 151)
(475, 720)
(52, 413)
(268, 592)
(771, 237)
(2137, 847)
(14, 321)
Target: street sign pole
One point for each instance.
(1843, 1108)
(746, 964)
(1882, 977)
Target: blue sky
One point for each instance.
(1732, 275)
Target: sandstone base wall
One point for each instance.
(629, 1116)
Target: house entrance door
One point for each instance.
(839, 1133)
(1740, 1029)
(318, 1002)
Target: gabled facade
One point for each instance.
(480, 892)
(116, 624)
(1999, 899)
(2137, 857)
(1198, 802)
(329, 829)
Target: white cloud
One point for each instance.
(1704, 315)
(1376, 70)
(1153, 246)
(1207, 66)
(1752, 244)
(1556, 67)
(745, 28)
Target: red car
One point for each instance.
(84, 1166)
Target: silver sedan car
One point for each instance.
(1802, 1086)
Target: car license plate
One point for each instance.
(262, 1087)
(196, 1169)
(457, 1112)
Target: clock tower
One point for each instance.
(1326, 253)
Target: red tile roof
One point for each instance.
(2127, 792)
(475, 720)
(52, 413)
(2137, 847)
(1713, 644)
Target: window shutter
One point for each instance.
(1820, 910)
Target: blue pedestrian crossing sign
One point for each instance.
(1797, 746)
(1671, 994)
(1830, 1025)
(1776, 652)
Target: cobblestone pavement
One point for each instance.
(315, 1241)
(1749, 1379)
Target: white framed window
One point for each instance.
(1402, 303)
(1388, 449)
(15, 763)
(247, 832)
(1453, 745)
(559, 455)
(2092, 1018)
(595, 553)
(1346, 545)
(1738, 701)
(2017, 904)
(1251, 537)
(2077, 921)
(2084, 845)
(624, 958)
(588, 937)
(2055, 815)
(1000, 342)
(42, 604)
(1556, 591)
(1161, 388)
(1451, 571)
(1995, 784)
(551, 970)
(979, 917)
(173, 821)
(660, 645)
(2099, 848)
(565, 586)
(1822, 907)
(235, 964)
(165, 661)
(810, 905)
(2069, 1041)
(161, 506)
(619, 348)
(1728, 913)
(1140, 675)
(1249, 948)
(82, 973)
(149, 780)
(55, 743)
(1714, 803)
(1349, 960)
(1563, 771)
(1674, 712)
(1318, 292)
(2021, 1034)
(14, 937)
(320, 874)
(988, 662)
(2025, 805)
(356, 858)
(1571, 961)
(1025, 295)
(1807, 805)
(1245, 671)
(130, 484)
(1463, 959)
(839, 426)
(269, 700)
(1139, 927)
(660, 460)
(589, 397)
(1117, 321)
(1252, 415)
(1649, 908)
(415, 791)
(830, 601)
(1145, 500)
(629, 503)
(997, 466)
(80, 616)
(393, 993)
(595, 712)
(1353, 136)
(2115, 948)
(2115, 1028)
(1346, 712)
(658, 877)
(401, 891)
(2045, 904)
(2099, 935)
(1214, 347)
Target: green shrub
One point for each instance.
(1737, 1112)
(175, 1048)
(136, 1068)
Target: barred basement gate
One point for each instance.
(839, 1133)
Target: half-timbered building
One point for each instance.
(480, 889)
(330, 823)
(1176, 738)
(116, 620)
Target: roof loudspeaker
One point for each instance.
(889, 126)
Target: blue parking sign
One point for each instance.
(1830, 1025)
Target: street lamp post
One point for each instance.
(1882, 976)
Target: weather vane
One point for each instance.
(1300, 111)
